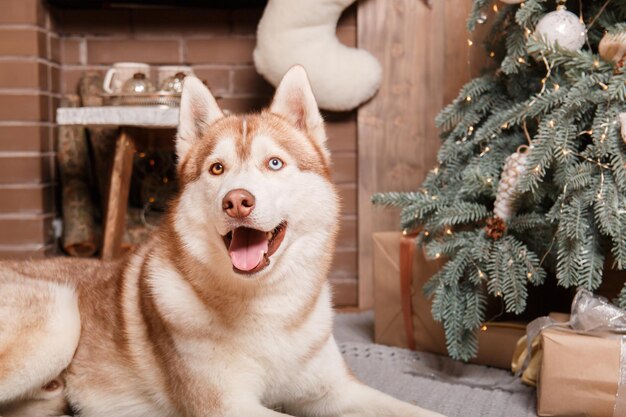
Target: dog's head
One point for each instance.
(256, 191)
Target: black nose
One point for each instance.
(238, 203)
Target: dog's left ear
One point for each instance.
(198, 109)
(294, 100)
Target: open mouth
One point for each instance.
(250, 249)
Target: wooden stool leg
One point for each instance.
(117, 202)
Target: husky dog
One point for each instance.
(224, 312)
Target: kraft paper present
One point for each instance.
(496, 340)
(579, 374)
(529, 367)
(389, 326)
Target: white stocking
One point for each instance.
(304, 32)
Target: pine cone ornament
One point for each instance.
(514, 167)
(495, 227)
(612, 47)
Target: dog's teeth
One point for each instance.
(268, 234)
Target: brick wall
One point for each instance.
(29, 93)
(45, 52)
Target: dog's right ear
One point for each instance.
(198, 109)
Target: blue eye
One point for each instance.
(275, 164)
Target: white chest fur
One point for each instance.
(263, 351)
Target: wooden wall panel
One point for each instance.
(426, 59)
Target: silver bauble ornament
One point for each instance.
(562, 27)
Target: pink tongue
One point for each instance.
(247, 248)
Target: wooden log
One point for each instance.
(79, 228)
(117, 201)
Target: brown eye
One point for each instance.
(217, 169)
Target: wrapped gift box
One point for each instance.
(579, 374)
(413, 326)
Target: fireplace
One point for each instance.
(47, 46)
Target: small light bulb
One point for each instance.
(468, 98)
(484, 328)
(426, 233)
(437, 255)
(521, 60)
(495, 8)
(529, 275)
(404, 232)
(556, 87)
(551, 123)
(492, 54)
(469, 42)
(448, 232)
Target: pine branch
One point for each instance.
(529, 15)
(475, 13)
(395, 199)
(453, 114)
(610, 215)
(540, 155)
(508, 273)
(461, 342)
(590, 262)
(571, 236)
(516, 53)
(527, 221)
(449, 245)
(475, 308)
(459, 212)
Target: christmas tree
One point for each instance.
(531, 175)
